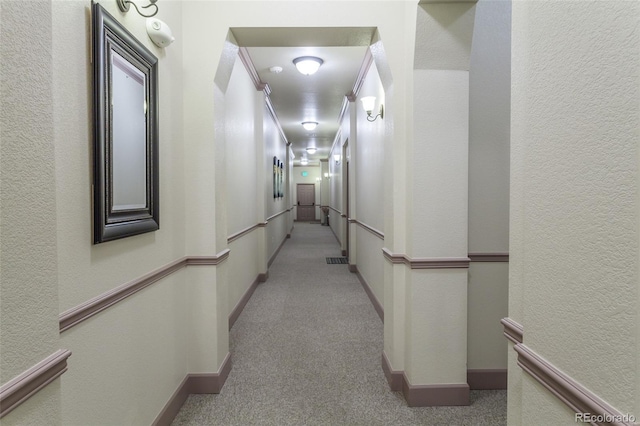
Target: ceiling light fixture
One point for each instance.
(368, 103)
(309, 125)
(307, 65)
(311, 150)
(304, 161)
(124, 7)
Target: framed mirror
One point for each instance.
(125, 187)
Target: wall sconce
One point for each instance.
(307, 65)
(368, 103)
(124, 7)
(336, 158)
(326, 175)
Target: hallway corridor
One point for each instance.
(307, 351)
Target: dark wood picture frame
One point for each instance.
(126, 184)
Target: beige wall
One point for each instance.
(243, 166)
(279, 226)
(28, 264)
(336, 190)
(141, 340)
(369, 161)
(87, 270)
(574, 215)
(489, 122)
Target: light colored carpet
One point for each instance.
(307, 349)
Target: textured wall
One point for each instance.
(370, 265)
(28, 262)
(274, 146)
(442, 32)
(87, 270)
(194, 219)
(131, 356)
(436, 300)
(489, 122)
(436, 305)
(439, 160)
(370, 156)
(335, 184)
(575, 121)
(369, 174)
(242, 166)
(142, 340)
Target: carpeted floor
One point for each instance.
(307, 348)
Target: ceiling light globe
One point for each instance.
(311, 150)
(309, 125)
(307, 65)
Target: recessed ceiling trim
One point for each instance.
(335, 141)
(303, 36)
(243, 53)
(362, 74)
(267, 100)
(343, 110)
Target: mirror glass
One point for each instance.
(126, 164)
(129, 168)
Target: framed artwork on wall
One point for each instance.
(278, 178)
(125, 104)
(275, 177)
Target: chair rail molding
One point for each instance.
(573, 394)
(25, 385)
(512, 330)
(427, 262)
(86, 310)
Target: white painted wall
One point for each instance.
(574, 215)
(489, 123)
(242, 168)
(369, 164)
(436, 314)
(335, 185)
(370, 157)
(275, 146)
(437, 199)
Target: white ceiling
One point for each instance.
(296, 97)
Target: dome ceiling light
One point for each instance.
(307, 65)
(311, 150)
(309, 125)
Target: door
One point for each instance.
(306, 193)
